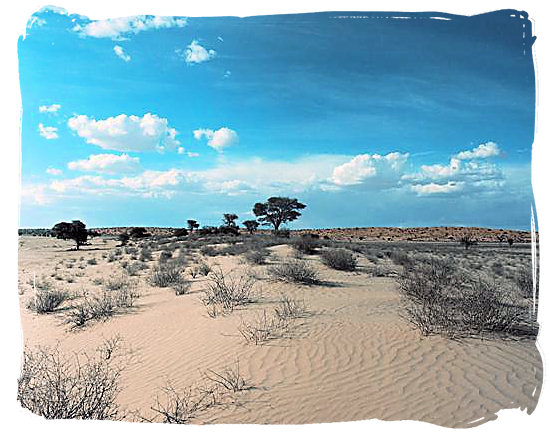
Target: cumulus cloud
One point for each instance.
(48, 132)
(106, 163)
(35, 195)
(119, 51)
(482, 151)
(196, 53)
(219, 139)
(193, 154)
(53, 171)
(386, 168)
(464, 173)
(49, 108)
(126, 133)
(117, 28)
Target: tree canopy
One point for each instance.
(75, 230)
(277, 211)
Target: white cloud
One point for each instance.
(35, 195)
(119, 51)
(106, 163)
(49, 108)
(465, 173)
(48, 132)
(193, 154)
(387, 169)
(435, 188)
(196, 53)
(54, 171)
(181, 150)
(117, 28)
(218, 140)
(126, 133)
(35, 21)
(482, 151)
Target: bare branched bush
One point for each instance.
(524, 281)
(115, 283)
(203, 268)
(56, 386)
(180, 407)
(226, 291)
(134, 268)
(229, 378)
(339, 259)
(295, 270)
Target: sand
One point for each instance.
(354, 357)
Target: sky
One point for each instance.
(370, 119)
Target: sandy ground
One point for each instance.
(354, 357)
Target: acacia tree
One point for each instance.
(192, 224)
(251, 225)
(278, 210)
(74, 230)
(229, 220)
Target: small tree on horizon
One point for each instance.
(277, 211)
(229, 220)
(192, 225)
(75, 230)
(251, 225)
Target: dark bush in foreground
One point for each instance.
(339, 259)
(297, 271)
(443, 300)
(58, 387)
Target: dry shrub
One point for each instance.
(181, 406)
(264, 327)
(102, 306)
(165, 275)
(257, 256)
(339, 259)
(290, 308)
(305, 244)
(56, 386)
(294, 270)
(446, 301)
(225, 291)
(46, 301)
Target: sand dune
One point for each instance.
(354, 357)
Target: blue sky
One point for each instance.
(369, 119)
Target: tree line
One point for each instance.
(274, 212)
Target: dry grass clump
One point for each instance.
(59, 387)
(402, 258)
(339, 259)
(294, 270)
(444, 300)
(290, 308)
(273, 325)
(524, 282)
(102, 306)
(225, 291)
(47, 300)
(165, 275)
(134, 268)
(264, 327)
